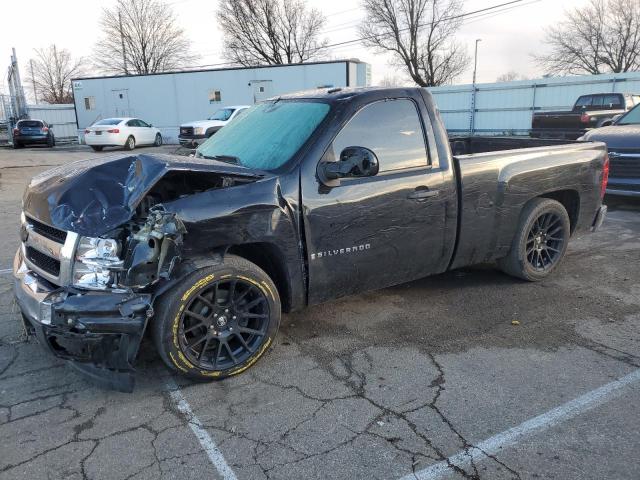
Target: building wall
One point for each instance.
(507, 108)
(167, 100)
(62, 118)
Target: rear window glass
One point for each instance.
(612, 100)
(109, 121)
(584, 101)
(30, 123)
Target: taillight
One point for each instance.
(585, 118)
(114, 130)
(86, 130)
(605, 176)
(16, 131)
(45, 129)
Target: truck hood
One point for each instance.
(92, 197)
(204, 123)
(616, 136)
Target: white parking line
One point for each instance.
(547, 420)
(209, 446)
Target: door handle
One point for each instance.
(422, 193)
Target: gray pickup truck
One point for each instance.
(305, 198)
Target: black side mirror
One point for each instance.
(354, 162)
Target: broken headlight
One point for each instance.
(95, 262)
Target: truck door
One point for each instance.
(372, 232)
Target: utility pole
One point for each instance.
(33, 82)
(124, 52)
(472, 119)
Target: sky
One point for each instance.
(509, 35)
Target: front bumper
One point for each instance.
(98, 332)
(191, 140)
(628, 187)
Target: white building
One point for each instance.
(168, 99)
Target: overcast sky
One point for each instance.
(509, 37)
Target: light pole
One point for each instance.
(472, 118)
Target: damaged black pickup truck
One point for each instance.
(306, 198)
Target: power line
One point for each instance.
(474, 15)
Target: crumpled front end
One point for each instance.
(99, 332)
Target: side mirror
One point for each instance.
(354, 162)
(150, 125)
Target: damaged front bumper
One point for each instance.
(98, 332)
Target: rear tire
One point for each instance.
(17, 145)
(97, 148)
(218, 321)
(540, 241)
(130, 144)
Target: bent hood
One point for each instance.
(92, 197)
(205, 123)
(616, 136)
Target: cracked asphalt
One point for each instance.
(369, 387)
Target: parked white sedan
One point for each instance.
(123, 132)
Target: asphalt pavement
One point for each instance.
(471, 374)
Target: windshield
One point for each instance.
(632, 117)
(109, 121)
(222, 114)
(267, 135)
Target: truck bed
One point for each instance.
(482, 144)
(494, 186)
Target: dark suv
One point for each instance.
(33, 132)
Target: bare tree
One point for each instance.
(511, 76)
(270, 32)
(601, 37)
(420, 35)
(53, 69)
(141, 36)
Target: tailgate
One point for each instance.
(557, 121)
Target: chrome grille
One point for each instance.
(186, 130)
(43, 261)
(624, 164)
(47, 231)
(48, 251)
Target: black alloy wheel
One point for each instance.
(545, 241)
(540, 240)
(224, 324)
(218, 321)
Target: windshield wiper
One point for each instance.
(222, 158)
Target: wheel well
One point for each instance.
(570, 200)
(268, 258)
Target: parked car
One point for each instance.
(304, 199)
(623, 142)
(33, 132)
(195, 133)
(590, 111)
(121, 132)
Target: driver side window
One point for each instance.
(391, 129)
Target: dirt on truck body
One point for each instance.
(303, 199)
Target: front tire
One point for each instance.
(158, 140)
(540, 241)
(219, 321)
(130, 144)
